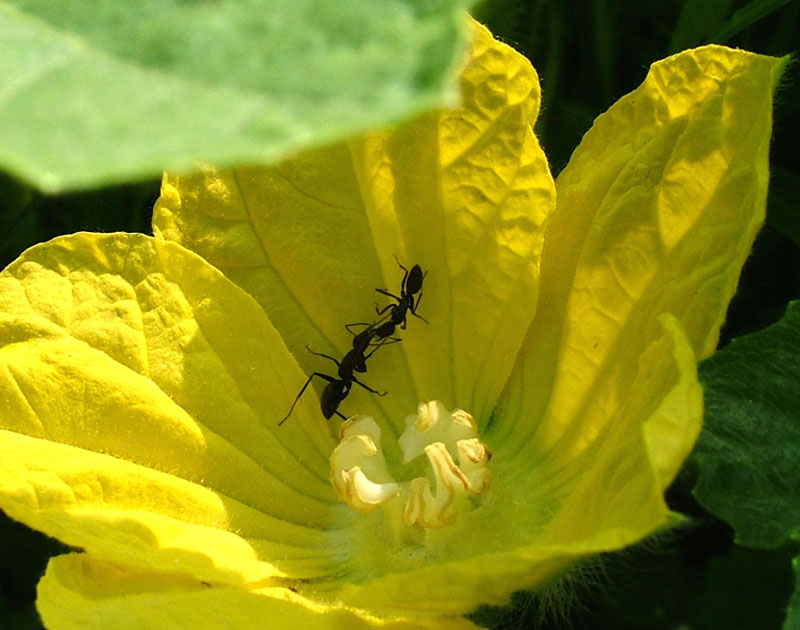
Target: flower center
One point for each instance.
(454, 481)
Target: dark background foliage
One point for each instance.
(588, 54)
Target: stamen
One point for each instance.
(358, 468)
(456, 475)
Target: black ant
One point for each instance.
(385, 327)
(411, 284)
(355, 360)
(337, 389)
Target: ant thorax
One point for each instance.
(456, 461)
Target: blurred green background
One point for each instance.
(588, 54)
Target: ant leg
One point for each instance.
(368, 388)
(399, 264)
(420, 317)
(374, 350)
(404, 281)
(321, 375)
(414, 308)
(340, 415)
(347, 326)
(385, 292)
(384, 341)
(384, 309)
(405, 275)
(320, 354)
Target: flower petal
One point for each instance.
(80, 593)
(139, 390)
(625, 465)
(129, 513)
(466, 194)
(463, 193)
(657, 210)
(540, 517)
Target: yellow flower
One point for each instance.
(535, 419)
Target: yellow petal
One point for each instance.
(672, 429)
(657, 210)
(656, 213)
(622, 467)
(463, 193)
(127, 513)
(81, 593)
(542, 515)
(140, 391)
(466, 193)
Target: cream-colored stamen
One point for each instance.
(358, 468)
(456, 475)
(433, 423)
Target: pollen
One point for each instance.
(441, 444)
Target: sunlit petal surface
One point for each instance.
(657, 210)
(142, 379)
(656, 213)
(139, 393)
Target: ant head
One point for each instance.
(414, 280)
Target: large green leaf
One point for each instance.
(750, 446)
(95, 92)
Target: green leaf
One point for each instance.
(748, 15)
(750, 445)
(100, 92)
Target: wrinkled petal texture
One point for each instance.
(656, 213)
(462, 193)
(138, 390)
